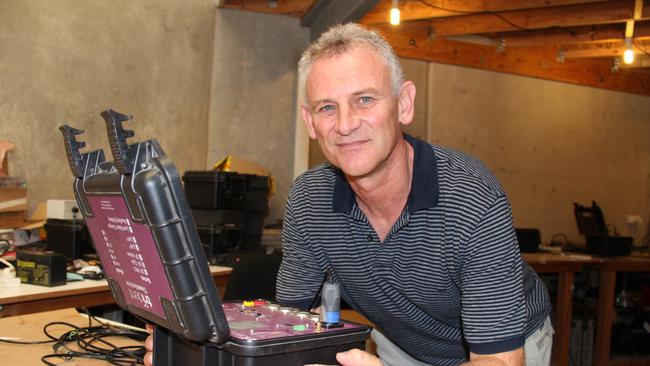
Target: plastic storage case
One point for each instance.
(220, 239)
(217, 190)
(68, 237)
(142, 229)
(156, 268)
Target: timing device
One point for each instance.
(144, 235)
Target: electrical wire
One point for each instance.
(90, 342)
(640, 48)
(559, 243)
(11, 341)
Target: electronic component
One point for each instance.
(142, 229)
(330, 304)
(46, 269)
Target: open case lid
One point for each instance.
(590, 219)
(142, 229)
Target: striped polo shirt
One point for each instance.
(448, 277)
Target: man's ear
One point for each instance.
(406, 102)
(309, 121)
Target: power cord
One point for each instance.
(557, 242)
(91, 343)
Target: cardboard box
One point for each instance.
(5, 146)
(13, 206)
(235, 164)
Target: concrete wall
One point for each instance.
(66, 61)
(253, 96)
(550, 144)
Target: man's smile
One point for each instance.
(351, 145)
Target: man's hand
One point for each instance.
(148, 344)
(357, 357)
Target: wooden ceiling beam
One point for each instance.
(585, 34)
(629, 25)
(419, 10)
(606, 49)
(412, 40)
(640, 61)
(565, 16)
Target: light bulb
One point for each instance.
(394, 16)
(628, 55)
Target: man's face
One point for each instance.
(352, 111)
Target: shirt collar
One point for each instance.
(424, 185)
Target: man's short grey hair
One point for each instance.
(342, 38)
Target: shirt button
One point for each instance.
(369, 237)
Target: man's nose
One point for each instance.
(348, 121)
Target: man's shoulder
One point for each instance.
(462, 170)
(322, 174)
(318, 179)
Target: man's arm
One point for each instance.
(494, 307)
(300, 276)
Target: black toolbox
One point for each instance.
(219, 198)
(217, 190)
(68, 237)
(220, 239)
(250, 222)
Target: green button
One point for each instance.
(299, 328)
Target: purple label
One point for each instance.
(128, 254)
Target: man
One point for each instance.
(419, 238)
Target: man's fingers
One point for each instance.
(148, 359)
(357, 357)
(148, 343)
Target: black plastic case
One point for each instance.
(135, 204)
(294, 351)
(147, 182)
(215, 190)
(68, 237)
(220, 239)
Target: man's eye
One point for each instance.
(326, 108)
(366, 100)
